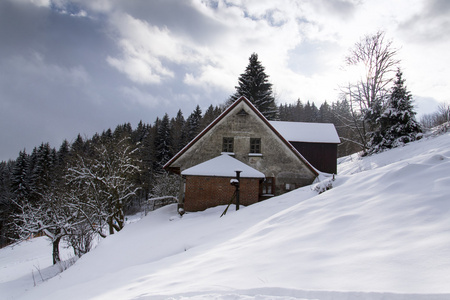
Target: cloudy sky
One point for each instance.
(83, 66)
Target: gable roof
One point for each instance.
(307, 132)
(226, 112)
(223, 166)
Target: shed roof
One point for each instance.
(307, 132)
(223, 166)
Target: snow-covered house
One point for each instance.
(269, 154)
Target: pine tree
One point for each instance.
(43, 169)
(146, 155)
(193, 123)
(210, 115)
(78, 147)
(163, 142)
(311, 113)
(299, 111)
(7, 206)
(140, 133)
(20, 179)
(325, 115)
(397, 123)
(178, 129)
(255, 86)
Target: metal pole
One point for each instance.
(238, 177)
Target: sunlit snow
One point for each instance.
(381, 232)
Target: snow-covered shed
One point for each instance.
(209, 183)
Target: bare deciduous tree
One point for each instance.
(441, 116)
(444, 112)
(52, 216)
(377, 56)
(104, 183)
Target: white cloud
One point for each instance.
(277, 31)
(143, 46)
(211, 76)
(146, 48)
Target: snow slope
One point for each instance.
(381, 232)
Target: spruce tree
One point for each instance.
(43, 170)
(163, 141)
(310, 113)
(255, 86)
(139, 133)
(210, 115)
(178, 130)
(7, 206)
(193, 123)
(325, 114)
(20, 178)
(397, 123)
(299, 111)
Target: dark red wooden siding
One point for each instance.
(321, 155)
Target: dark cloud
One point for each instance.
(438, 7)
(431, 25)
(343, 9)
(20, 27)
(55, 81)
(180, 16)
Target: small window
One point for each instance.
(255, 145)
(290, 186)
(267, 186)
(228, 144)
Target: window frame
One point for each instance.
(255, 146)
(268, 186)
(228, 144)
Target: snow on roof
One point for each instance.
(223, 166)
(307, 132)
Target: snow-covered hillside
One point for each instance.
(381, 232)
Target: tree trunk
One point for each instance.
(111, 225)
(56, 257)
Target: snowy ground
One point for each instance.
(381, 232)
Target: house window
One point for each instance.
(268, 186)
(290, 186)
(227, 145)
(255, 145)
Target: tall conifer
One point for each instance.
(255, 86)
(397, 123)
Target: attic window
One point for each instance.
(242, 112)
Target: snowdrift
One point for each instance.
(381, 232)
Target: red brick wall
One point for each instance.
(204, 192)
